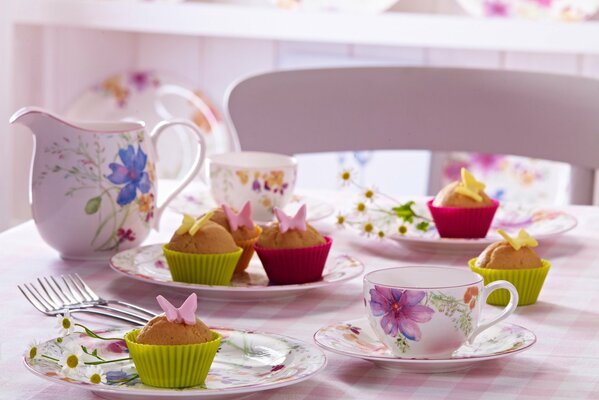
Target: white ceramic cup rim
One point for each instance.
(470, 278)
(255, 160)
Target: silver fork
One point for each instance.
(77, 297)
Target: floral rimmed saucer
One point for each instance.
(356, 339)
(539, 222)
(148, 264)
(247, 362)
(196, 201)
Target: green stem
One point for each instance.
(94, 335)
(50, 358)
(124, 382)
(107, 361)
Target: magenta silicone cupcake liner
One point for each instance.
(293, 266)
(463, 223)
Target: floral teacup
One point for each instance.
(267, 180)
(429, 312)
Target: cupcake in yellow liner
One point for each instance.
(515, 261)
(243, 229)
(203, 252)
(175, 349)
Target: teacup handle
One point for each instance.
(193, 171)
(507, 311)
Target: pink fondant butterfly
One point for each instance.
(186, 313)
(286, 222)
(244, 218)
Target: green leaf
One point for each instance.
(405, 212)
(423, 226)
(93, 205)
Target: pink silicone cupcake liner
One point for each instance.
(463, 223)
(293, 266)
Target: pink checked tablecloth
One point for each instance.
(564, 363)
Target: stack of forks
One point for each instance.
(71, 293)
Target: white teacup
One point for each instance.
(429, 312)
(267, 180)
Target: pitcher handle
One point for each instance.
(193, 171)
(507, 311)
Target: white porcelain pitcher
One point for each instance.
(93, 184)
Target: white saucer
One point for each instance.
(148, 264)
(247, 362)
(196, 201)
(542, 223)
(356, 339)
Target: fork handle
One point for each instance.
(132, 306)
(120, 311)
(107, 314)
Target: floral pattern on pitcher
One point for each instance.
(402, 311)
(122, 184)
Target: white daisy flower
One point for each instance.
(65, 323)
(32, 351)
(71, 359)
(95, 375)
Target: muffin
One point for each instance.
(240, 225)
(175, 338)
(202, 251)
(291, 250)
(462, 209)
(513, 260)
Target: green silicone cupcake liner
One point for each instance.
(175, 366)
(205, 269)
(528, 282)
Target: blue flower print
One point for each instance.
(131, 174)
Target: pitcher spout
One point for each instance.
(30, 116)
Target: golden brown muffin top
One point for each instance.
(160, 331)
(448, 197)
(502, 255)
(272, 237)
(211, 238)
(242, 233)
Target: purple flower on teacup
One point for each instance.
(131, 174)
(401, 311)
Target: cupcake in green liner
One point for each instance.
(175, 349)
(203, 252)
(515, 261)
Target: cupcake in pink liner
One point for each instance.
(291, 250)
(462, 209)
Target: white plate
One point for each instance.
(132, 95)
(356, 339)
(247, 362)
(565, 10)
(196, 201)
(540, 222)
(148, 264)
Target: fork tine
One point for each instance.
(87, 289)
(58, 290)
(70, 299)
(39, 306)
(78, 299)
(38, 296)
(51, 299)
(76, 287)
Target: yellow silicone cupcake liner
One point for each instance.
(173, 366)
(248, 251)
(528, 282)
(205, 269)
